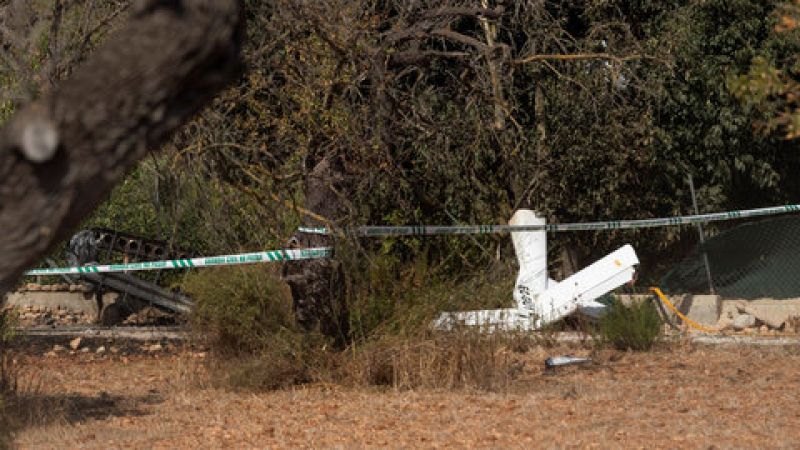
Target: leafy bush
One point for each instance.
(389, 297)
(631, 327)
(244, 314)
(240, 310)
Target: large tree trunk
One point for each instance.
(317, 286)
(62, 155)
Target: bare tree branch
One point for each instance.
(577, 57)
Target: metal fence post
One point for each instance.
(702, 237)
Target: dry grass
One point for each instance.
(8, 376)
(679, 396)
(456, 360)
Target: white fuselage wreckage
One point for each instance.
(540, 300)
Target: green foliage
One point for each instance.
(636, 327)
(583, 140)
(389, 296)
(769, 85)
(245, 317)
(240, 309)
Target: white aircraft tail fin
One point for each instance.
(541, 301)
(531, 250)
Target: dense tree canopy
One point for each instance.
(459, 112)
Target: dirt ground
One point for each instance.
(685, 396)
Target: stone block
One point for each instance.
(703, 309)
(744, 321)
(771, 312)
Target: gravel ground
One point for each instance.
(684, 396)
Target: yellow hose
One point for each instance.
(688, 321)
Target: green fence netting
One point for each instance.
(754, 260)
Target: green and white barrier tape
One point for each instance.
(418, 230)
(223, 260)
(431, 230)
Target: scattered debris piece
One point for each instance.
(150, 316)
(75, 343)
(155, 348)
(567, 360)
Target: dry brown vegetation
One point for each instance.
(677, 396)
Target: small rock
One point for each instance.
(85, 350)
(58, 348)
(764, 329)
(724, 323)
(75, 343)
(100, 350)
(155, 348)
(743, 321)
(50, 354)
(789, 326)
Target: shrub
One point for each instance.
(244, 315)
(240, 310)
(634, 327)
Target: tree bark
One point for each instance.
(62, 155)
(317, 286)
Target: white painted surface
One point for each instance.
(531, 250)
(540, 301)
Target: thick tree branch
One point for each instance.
(61, 156)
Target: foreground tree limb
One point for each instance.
(62, 155)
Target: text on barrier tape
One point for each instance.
(222, 260)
